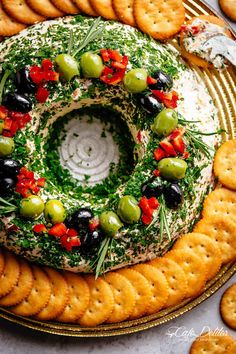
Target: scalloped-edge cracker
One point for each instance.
(124, 11)
(104, 8)
(225, 164)
(45, 8)
(228, 306)
(205, 247)
(210, 343)
(195, 270)
(58, 298)
(8, 26)
(160, 19)
(66, 6)
(143, 291)
(10, 274)
(85, 7)
(124, 297)
(159, 286)
(101, 302)
(175, 277)
(20, 11)
(38, 297)
(23, 287)
(78, 298)
(223, 231)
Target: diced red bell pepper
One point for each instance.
(94, 224)
(153, 203)
(178, 144)
(159, 154)
(58, 230)
(42, 94)
(151, 80)
(69, 242)
(144, 205)
(186, 155)
(146, 219)
(41, 182)
(125, 60)
(40, 228)
(114, 55)
(36, 74)
(72, 232)
(35, 189)
(24, 192)
(105, 55)
(177, 132)
(139, 137)
(27, 173)
(168, 148)
(7, 124)
(156, 173)
(47, 64)
(7, 134)
(169, 99)
(117, 65)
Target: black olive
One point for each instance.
(91, 240)
(17, 102)
(164, 81)
(9, 168)
(151, 104)
(79, 219)
(152, 188)
(173, 196)
(6, 185)
(23, 81)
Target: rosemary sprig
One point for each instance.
(2, 83)
(71, 42)
(164, 227)
(98, 264)
(198, 143)
(6, 207)
(219, 131)
(91, 35)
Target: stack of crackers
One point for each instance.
(161, 19)
(143, 289)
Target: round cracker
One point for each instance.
(223, 231)
(210, 343)
(192, 58)
(159, 286)
(228, 306)
(23, 287)
(143, 291)
(231, 349)
(2, 261)
(225, 164)
(229, 8)
(66, 6)
(58, 298)
(175, 277)
(124, 11)
(104, 8)
(78, 298)
(124, 297)
(85, 7)
(161, 19)
(20, 11)
(10, 274)
(38, 297)
(45, 8)
(101, 302)
(205, 247)
(8, 26)
(194, 268)
(221, 202)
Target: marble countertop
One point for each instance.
(175, 337)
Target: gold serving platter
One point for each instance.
(222, 87)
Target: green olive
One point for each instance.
(91, 65)
(1, 125)
(165, 122)
(128, 209)
(68, 66)
(110, 223)
(135, 80)
(31, 207)
(7, 146)
(172, 168)
(54, 211)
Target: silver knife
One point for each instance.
(220, 45)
